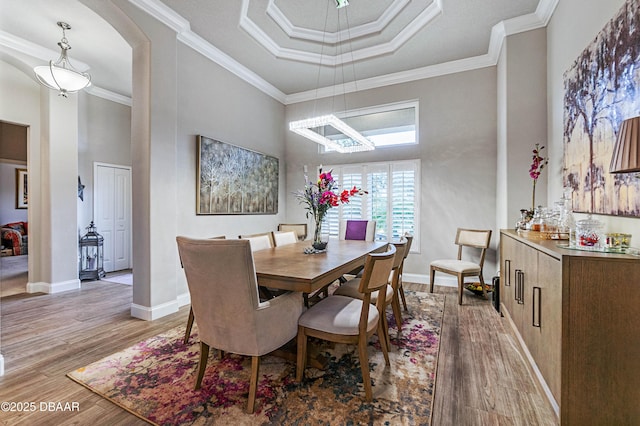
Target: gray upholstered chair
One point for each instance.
(187, 332)
(299, 228)
(285, 237)
(352, 288)
(224, 297)
(343, 319)
(471, 238)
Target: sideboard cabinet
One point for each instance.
(577, 316)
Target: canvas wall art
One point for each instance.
(22, 189)
(234, 180)
(602, 88)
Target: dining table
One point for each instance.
(288, 267)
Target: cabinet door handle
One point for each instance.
(533, 307)
(507, 266)
(517, 289)
(521, 292)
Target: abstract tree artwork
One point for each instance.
(602, 88)
(234, 180)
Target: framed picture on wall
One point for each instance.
(22, 194)
(234, 180)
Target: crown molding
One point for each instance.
(301, 33)
(108, 95)
(424, 18)
(499, 32)
(184, 34)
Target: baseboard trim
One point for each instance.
(154, 312)
(444, 281)
(184, 299)
(50, 288)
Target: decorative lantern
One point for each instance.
(91, 255)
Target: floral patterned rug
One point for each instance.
(154, 379)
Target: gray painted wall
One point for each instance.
(457, 150)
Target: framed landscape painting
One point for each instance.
(234, 180)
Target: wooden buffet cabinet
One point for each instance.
(577, 317)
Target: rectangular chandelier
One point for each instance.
(352, 142)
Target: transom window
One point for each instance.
(385, 125)
(392, 200)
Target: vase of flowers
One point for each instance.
(318, 197)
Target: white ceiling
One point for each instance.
(278, 45)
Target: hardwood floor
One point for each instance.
(481, 380)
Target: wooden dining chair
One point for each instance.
(187, 332)
(299, 228)
(224, 295)
(409, 239)
(352, 289)
(343, 319)
(284, 238)
(260, 241)
(471, 238)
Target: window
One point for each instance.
(385, 125)
(392, 199)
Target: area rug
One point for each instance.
(120, 279)
(154, 380)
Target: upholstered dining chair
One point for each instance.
(187, 332)
(224, 296)
(351, 229)
(352, 289)
(409, 238)
(299, 228)
(471, 238)
(343, 319)
(259, 241)
(285, 237)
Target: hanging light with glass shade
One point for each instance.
(61, 75)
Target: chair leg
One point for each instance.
(383, 337)
(301, 363)
(253, 384)
(460, 288)
(187, 333)
(383, 326)
(202, 364)
(484, 291)
(364, 366)
(395, 305)
(432, 278)
(404, 301)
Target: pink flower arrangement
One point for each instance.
(322, 195)
(534, 171)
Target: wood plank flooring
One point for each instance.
(482, 379)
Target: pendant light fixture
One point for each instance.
(344, 138)
(61, 75)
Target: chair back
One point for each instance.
(259, 241)
(224, 291)
(401, 248)
(299, 228)
(284, 238)
(377, 268)
(364, 230)
(475, 238)
(409, 238)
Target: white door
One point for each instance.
(112, 213)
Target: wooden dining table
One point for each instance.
(289, 268)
